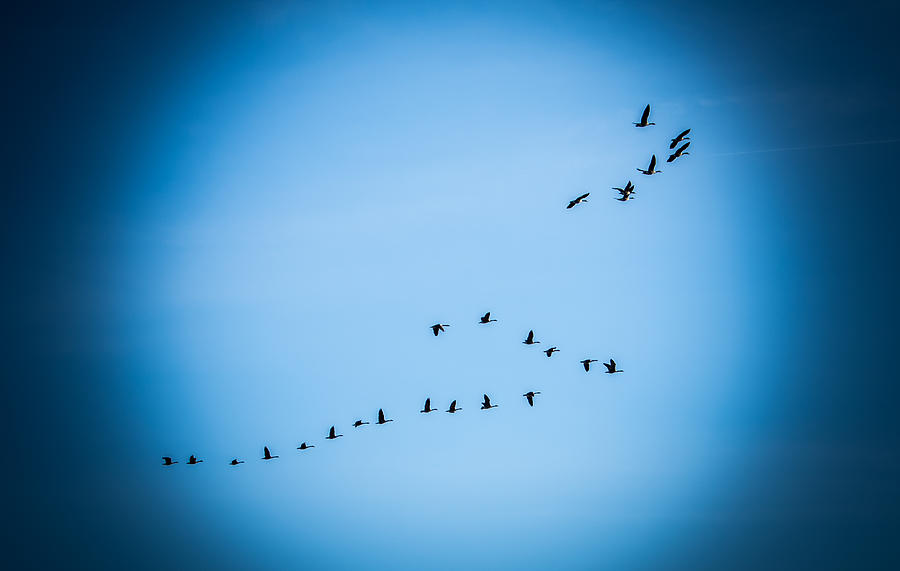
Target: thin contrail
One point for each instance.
(806, 148)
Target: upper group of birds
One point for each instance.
(625, 194)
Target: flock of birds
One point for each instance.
(625, 194)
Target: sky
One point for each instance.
(232, 227)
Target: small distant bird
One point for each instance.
(266, 455)
(235, 462)
(359, 423)
(453, 408)
(682, 136)
(681, 151)
(381, 419)
(487, 403)
(332, 435)
(644, 116)
(611, 367)
(486, 318)
(629, 188)
(167, 461)
(587, 364)
(652, 168)
(579, 200)
(530, 339)
(428, 406)
(529, 396)
(193, 460)
(305, 446)
(551, 351)
(438, 328)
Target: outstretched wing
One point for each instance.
(331, 432)
(380, 415)
(530, 399)
(652, 166)
(583, 196)
(487, 400)
(646, 114)
(587, 365)
(529, 340)
(682, 148)
(612, 363)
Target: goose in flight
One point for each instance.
(359, 423)
(530, 339)
(529, 396)
(486, 318)
(266, 455)
(305, 446)
(644, 116)
(487, 403)
(681, 151)
(439, 328)
(611, 367)
(381, 419)
(651, 169)
(193, 460)
(235, 462)
(453, 408)
(629, 188)
(551, 351)
(682, 136)
(332, 435)
(579, 200)
(587, 364)
(167, 461)
(428, 406)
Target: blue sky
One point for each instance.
(271, 205)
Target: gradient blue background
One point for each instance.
(232, 226)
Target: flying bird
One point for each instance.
(644, 116)
(359, 423)
(193, 460)
(486, 318)
(611, 367)
(530, 339)
(453, 408)
(579, 200)
(682, 136)
(428, 406)
(266, 455)
(305, 446)
(551, 351)
(381, 419)
(487, 403)
(629, 188)
(529, 396)
(332, 435)
(587, 364)
(650, 170)
(681, 151)
(167, 461)
(438, 328)
(235, 462)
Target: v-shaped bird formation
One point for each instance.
(626, 193)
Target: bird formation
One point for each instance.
(625, 193)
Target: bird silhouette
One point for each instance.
(682, 136)
(529, 396)
(530, 339)
(551, 351)
(332, 435)
(438, 328)
(644, 116)
(266, 455)
(381, 419)
(359, 423)
(305, 446)
(428, 406)
(629, 188)
(235, 462)
(193, 460)
(611, 367)
(579, 200)
(652, 168)
(587, 364)
(167, 461)
(453, 408)
(486, 318)
(681, 151)
(487, 403)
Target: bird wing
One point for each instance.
(682, 148)
(331, 432)
(435, 329)
(530, 337)
(571, 204)
(453, 405)
(652, 163)
(427, 404)
(530, 399)
(646, 114)
(487, 316)
(380, 415)
(583, 196)
(487, 400)
(684, 134)
(612, 363)
(587, 365)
